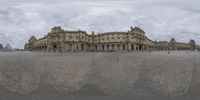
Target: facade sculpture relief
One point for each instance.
(60, 40)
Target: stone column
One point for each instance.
(129, 47)
(135, 46)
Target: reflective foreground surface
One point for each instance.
(97, 76)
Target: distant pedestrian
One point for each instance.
(168, 52)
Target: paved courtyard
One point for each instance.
(158, 75)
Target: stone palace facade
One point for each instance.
(59, 40)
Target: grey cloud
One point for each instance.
(160, 19)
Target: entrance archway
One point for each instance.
(54, 46)
(132, 47)
(140, 47)
(82, 47)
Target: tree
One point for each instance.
(8, 47)
(1, 46)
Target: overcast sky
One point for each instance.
(160, 19)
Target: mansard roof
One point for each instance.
(32, 39)
(79, 31)
(57, 29)
(172, 40)
(192, 42)
(161, 41)
(137, 29)
(107, 33)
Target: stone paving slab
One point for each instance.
(100, 76)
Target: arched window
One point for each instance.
(132, 47)
(107, 47)
(113, 47)
(118, 47)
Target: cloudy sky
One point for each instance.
(160, 19)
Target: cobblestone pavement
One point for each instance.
(100, 76)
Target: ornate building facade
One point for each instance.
(59, 40)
